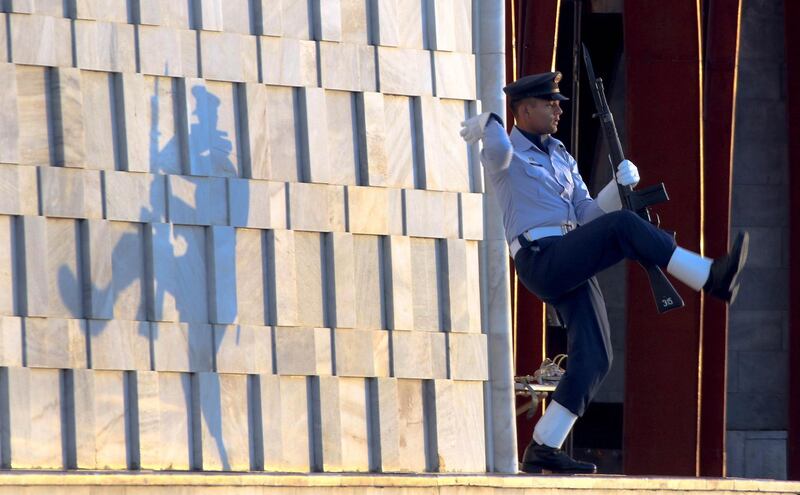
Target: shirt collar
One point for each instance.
(520, 142)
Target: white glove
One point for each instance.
(472, 128)
(627, 173)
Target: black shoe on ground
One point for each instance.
(539, 458)
(723, 281)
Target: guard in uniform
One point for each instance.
(560, 237)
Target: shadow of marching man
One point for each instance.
(205, 151)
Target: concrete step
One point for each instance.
(168, 483)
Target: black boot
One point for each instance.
(538, 458)
(723, 281)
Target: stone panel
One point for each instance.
(55, 343)
(34, 417)
(402, 425)
(461, 288)
(197, 200)
(343, 136)
(385, 23)
(96, 259)
(405, 71)
(343, 411)
(459, 433)
(18, 190)
(267, 17)
(165, 426)
(4, 35)
(400, 23)
(314, 135)
(31, 245)
(411, 26)
(134, 196)
(154, 142)
(9, 125)
(310, 270)
(399, 118)
(223, 304)
(102, 10)
(65, 287)
(340, 275)
(453, 160)
(243, 349)
(445, 163)
(302, 351)
(71, 193)
(419, 354)
(236, 16)
(756, 377)
(374, 210)
(161, 280)
(361, 353)
(281, 159)
(208, 15)
(368, 282)
(372, 139)
(100, 424)
(99, 115)
(251, 289)
(191, 284)
(441, 32)
(758, 330)
(426, 269)
(173, 14)
(288, 62)
(355, 21)
(40, 40)
(220, 404)
(228, 56)
(10, 265)
(471, 212)
(399, 301)
(67, 117)
(431, 213)
(105, 46)
(128, 280)
(165, 51)
(316, 207)
(282, 277)
(213, 129)
(347, 66)
(10, 341)
(284, 423)
(119, 345)
(35, 131)
(182, 347)
(468, 356)
(295, 19)
(462, 25)
(757, 454)
(255, 130)
(328, 20)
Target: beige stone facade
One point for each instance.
(244, 236)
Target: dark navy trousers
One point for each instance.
(560, 270)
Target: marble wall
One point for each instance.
(241, 235)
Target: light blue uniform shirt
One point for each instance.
(534, 188)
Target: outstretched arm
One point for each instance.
(497, 149)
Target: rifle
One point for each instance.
(664, 293)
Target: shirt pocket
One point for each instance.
(534, 170)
